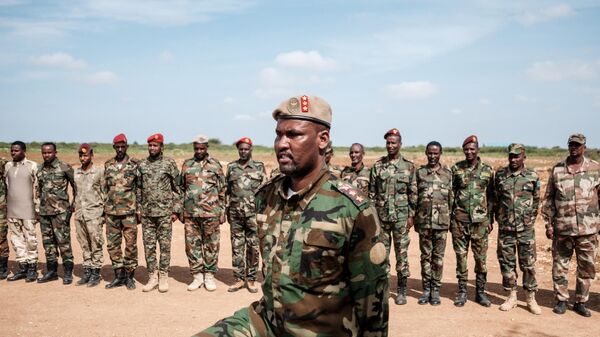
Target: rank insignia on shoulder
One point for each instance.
(352, 193)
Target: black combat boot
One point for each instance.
(129, 281)
(580, 308)
(480, 296)
(424, 299)
(87, 272)
(68, 268)
(21, 274)
(461, 296)
(560, 307)
(119, 279)
(50, 274)
(435, 296)
(401, 298)
(31, 272)
(94, 278)
(3, 267)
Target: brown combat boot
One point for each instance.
(252, 286)
(511, 301)
(237, 285)
(532, 305)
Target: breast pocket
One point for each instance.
(321, 260)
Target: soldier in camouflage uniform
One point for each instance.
(159, 205)
(203, 187)
(432, 220)
(54, 177)
(243, 177)
(336, 171)
(121, 179)
(571, 214)
(357, 174)
(89, 214)
(324, 260)
(517, 192)
(472, 184)
(3, 223)
(393, 188)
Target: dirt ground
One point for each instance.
(52, 309)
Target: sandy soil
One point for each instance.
(52, 309)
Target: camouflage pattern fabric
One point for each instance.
(563, 247)
(572, 199)
(88, 215)
(335, 170)
(91, 239)
(274, 173)
(517, 199)
(473, 192)
(432, 244)
(202, 237)
(119, 227)
(358, 178)
(324, 265)
(121, 186)
(56, 236)
(397, 233)
(158, 189)
(53, 180)
(203, 187)
(511, 243)
(157, 228)
(435, 198)
(476, 235)
(3, 223)
(23, 239)
(393, 188)
(242, 184)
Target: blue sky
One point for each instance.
(508, 71)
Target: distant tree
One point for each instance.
(215, 141)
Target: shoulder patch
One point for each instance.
(269, 182)
(357, 196)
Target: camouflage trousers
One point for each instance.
(23, 239)
(3, 233)
(475, 234)
(398, 233)
(432, 243)
(244, 323)
(157, 228)
(562, 250)
(202, 237)
(91, 239)
(56, 236)
(244, 246)
(511, 244)
(119, 227)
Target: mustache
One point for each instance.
(284, 154)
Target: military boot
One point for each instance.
(209, 282)
(94, 278)
(237, 285)
(3, 267)
(119, 279)
(560, 307)
(424, 299)
(129, 279)
(252, 286)
(31, 272)
(401, 297)
(197, 282)
(461, 295)
(163, 278)
(435, 296)
(511, 301)
(481, 297)
(68, 268)
(21, 274)
(580, 308)
(532, 305)
(87, 272)
(50, 274)
(152, 282)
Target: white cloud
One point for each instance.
(166, 56)
(411, 90)
(242, 117)
(484, 101)
(550, 13)
(307, 60)
(57, 60)
(31, 29)
(549, 71)
(102, 77)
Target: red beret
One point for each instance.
(244, 140)
(470, 139)
(85, 148)
(157, 137)
(120, 138)
(393, 131)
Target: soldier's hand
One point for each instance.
(409, 222)
(550, 233)
(174, 217)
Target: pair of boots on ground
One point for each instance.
(200, 279)
(431, 294)
(28, 271)
(239, 284)
(123, 277)
(158, 279)
(579, 307)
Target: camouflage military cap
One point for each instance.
(310, 108)
(577, 138)
(201, 139)
(516, 148)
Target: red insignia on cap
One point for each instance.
(120, 138)
(157, 137)
(470, 139)
(304, 103)
(393, 131)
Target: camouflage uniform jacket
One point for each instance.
(473, 192)
(203, 187)
(435, 198)
(517, 199)
(335, 170)
(571, 200)
(324, 262)
(393, 187)
(53, 180)
(242, 184)
(121, 186)
(89, 201)
(158, 190)
(2, 186)
(357, 178)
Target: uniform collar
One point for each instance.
(517, 173)
(585, 166)
(306, 194)
(91, 170)
(53, 163)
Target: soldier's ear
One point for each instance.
(323, 139)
